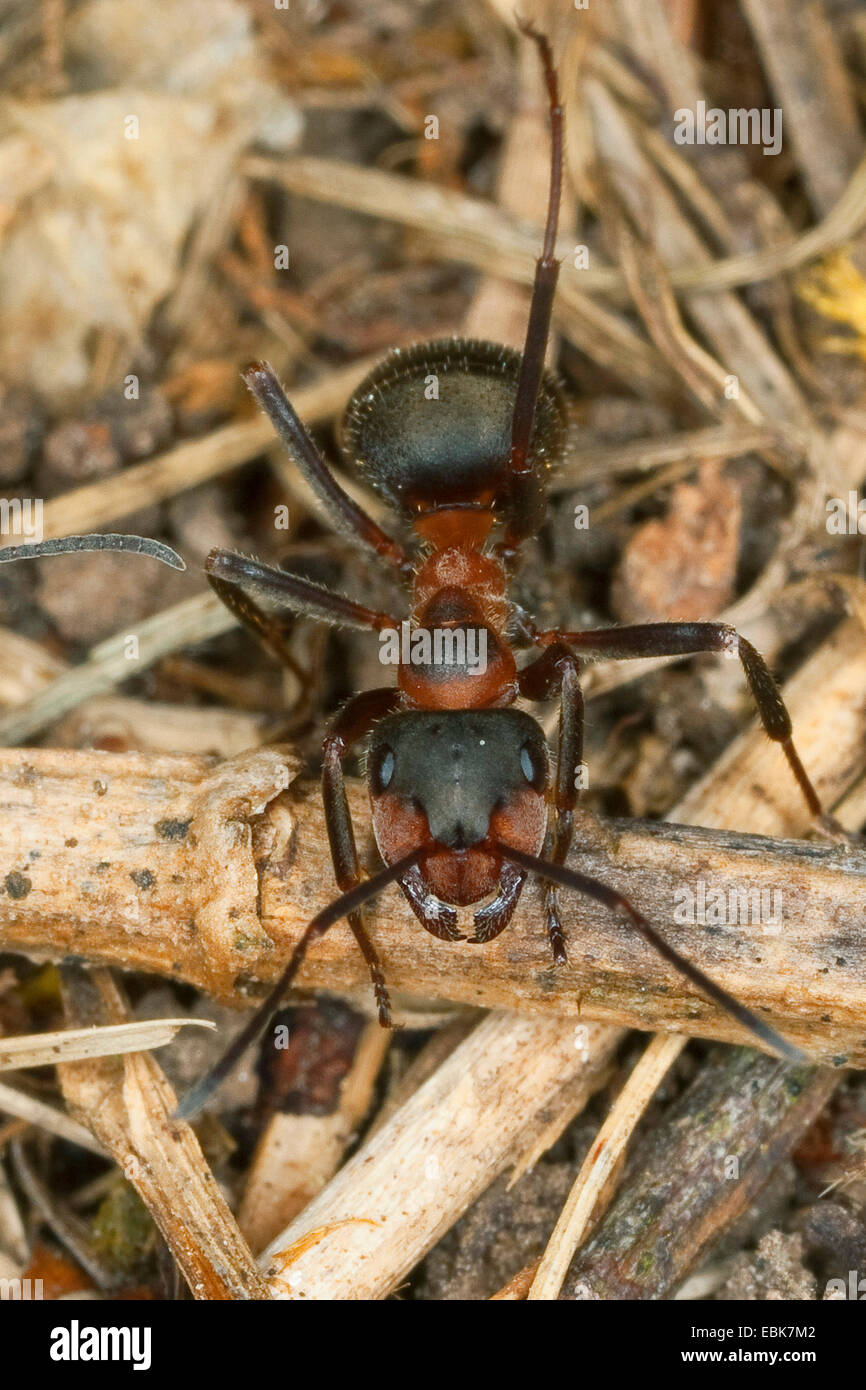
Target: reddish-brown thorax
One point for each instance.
(460, 586)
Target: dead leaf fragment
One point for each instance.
(683, 565)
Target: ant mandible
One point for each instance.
(462, 799)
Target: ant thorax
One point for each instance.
(454, 652)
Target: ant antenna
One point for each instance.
(350, 519)
(609, 897)
(201, 1092)
(525, 494)
(68, 545)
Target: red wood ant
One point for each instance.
(463, 802)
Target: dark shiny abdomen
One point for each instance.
(431, 425)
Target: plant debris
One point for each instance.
(191, 185)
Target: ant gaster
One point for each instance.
(464, 801)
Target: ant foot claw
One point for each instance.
(829, 828)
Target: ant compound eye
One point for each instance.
(532, 766)
(383, 771)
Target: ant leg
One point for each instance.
(225, 569)
(226, 573)
(354, 720)
(347, 903)
(558, 669)
(350, 519)
(69, 545)
(268, 629)
(526, 500)
(687, 639)
(609, 897)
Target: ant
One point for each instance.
(465, 803)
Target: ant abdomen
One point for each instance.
(431, 425)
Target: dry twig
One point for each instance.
(699, 1170)
(128, 1105)
(600, 1164)
(73, 1044)
(133, 869)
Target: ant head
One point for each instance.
(430, 427)
(453, 778)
